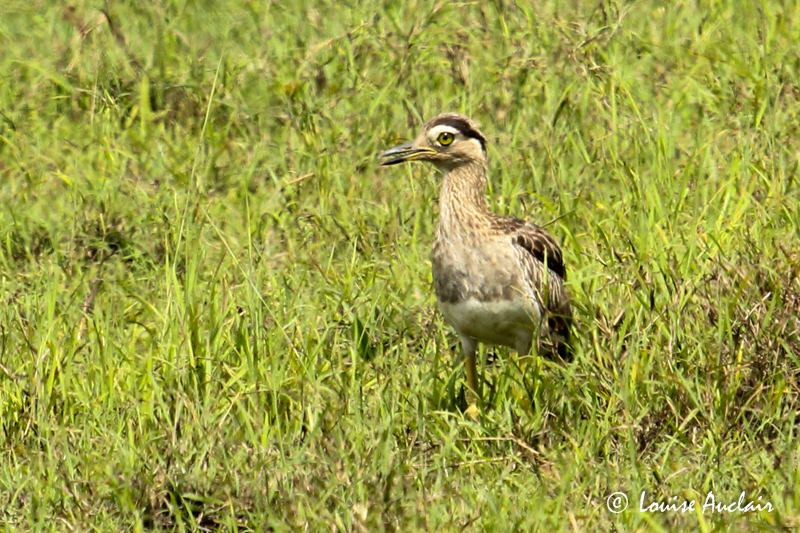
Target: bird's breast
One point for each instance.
(500, 322)
(481, 297)
(480, 273)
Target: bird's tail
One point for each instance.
(559, 332)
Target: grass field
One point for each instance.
(217, 311)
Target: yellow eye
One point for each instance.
(445, 138)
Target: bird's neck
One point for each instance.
(462, 200)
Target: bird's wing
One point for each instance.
(543, 263)
(535, 241)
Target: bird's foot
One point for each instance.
(473, 411)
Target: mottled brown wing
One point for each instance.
(536, 241)
(544, 250)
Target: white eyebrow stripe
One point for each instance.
(442, 128)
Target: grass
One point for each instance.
(217, 310)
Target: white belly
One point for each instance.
(507, 323)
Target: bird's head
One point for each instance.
(448, 141)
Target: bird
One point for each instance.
(498, 280)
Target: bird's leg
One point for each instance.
(470, 349)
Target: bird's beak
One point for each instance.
(404, 152)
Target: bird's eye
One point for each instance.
(445, 138)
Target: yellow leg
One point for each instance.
(471, 369)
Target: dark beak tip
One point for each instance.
(399, 154)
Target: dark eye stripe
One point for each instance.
(463, 126)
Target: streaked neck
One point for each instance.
(462, 200)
